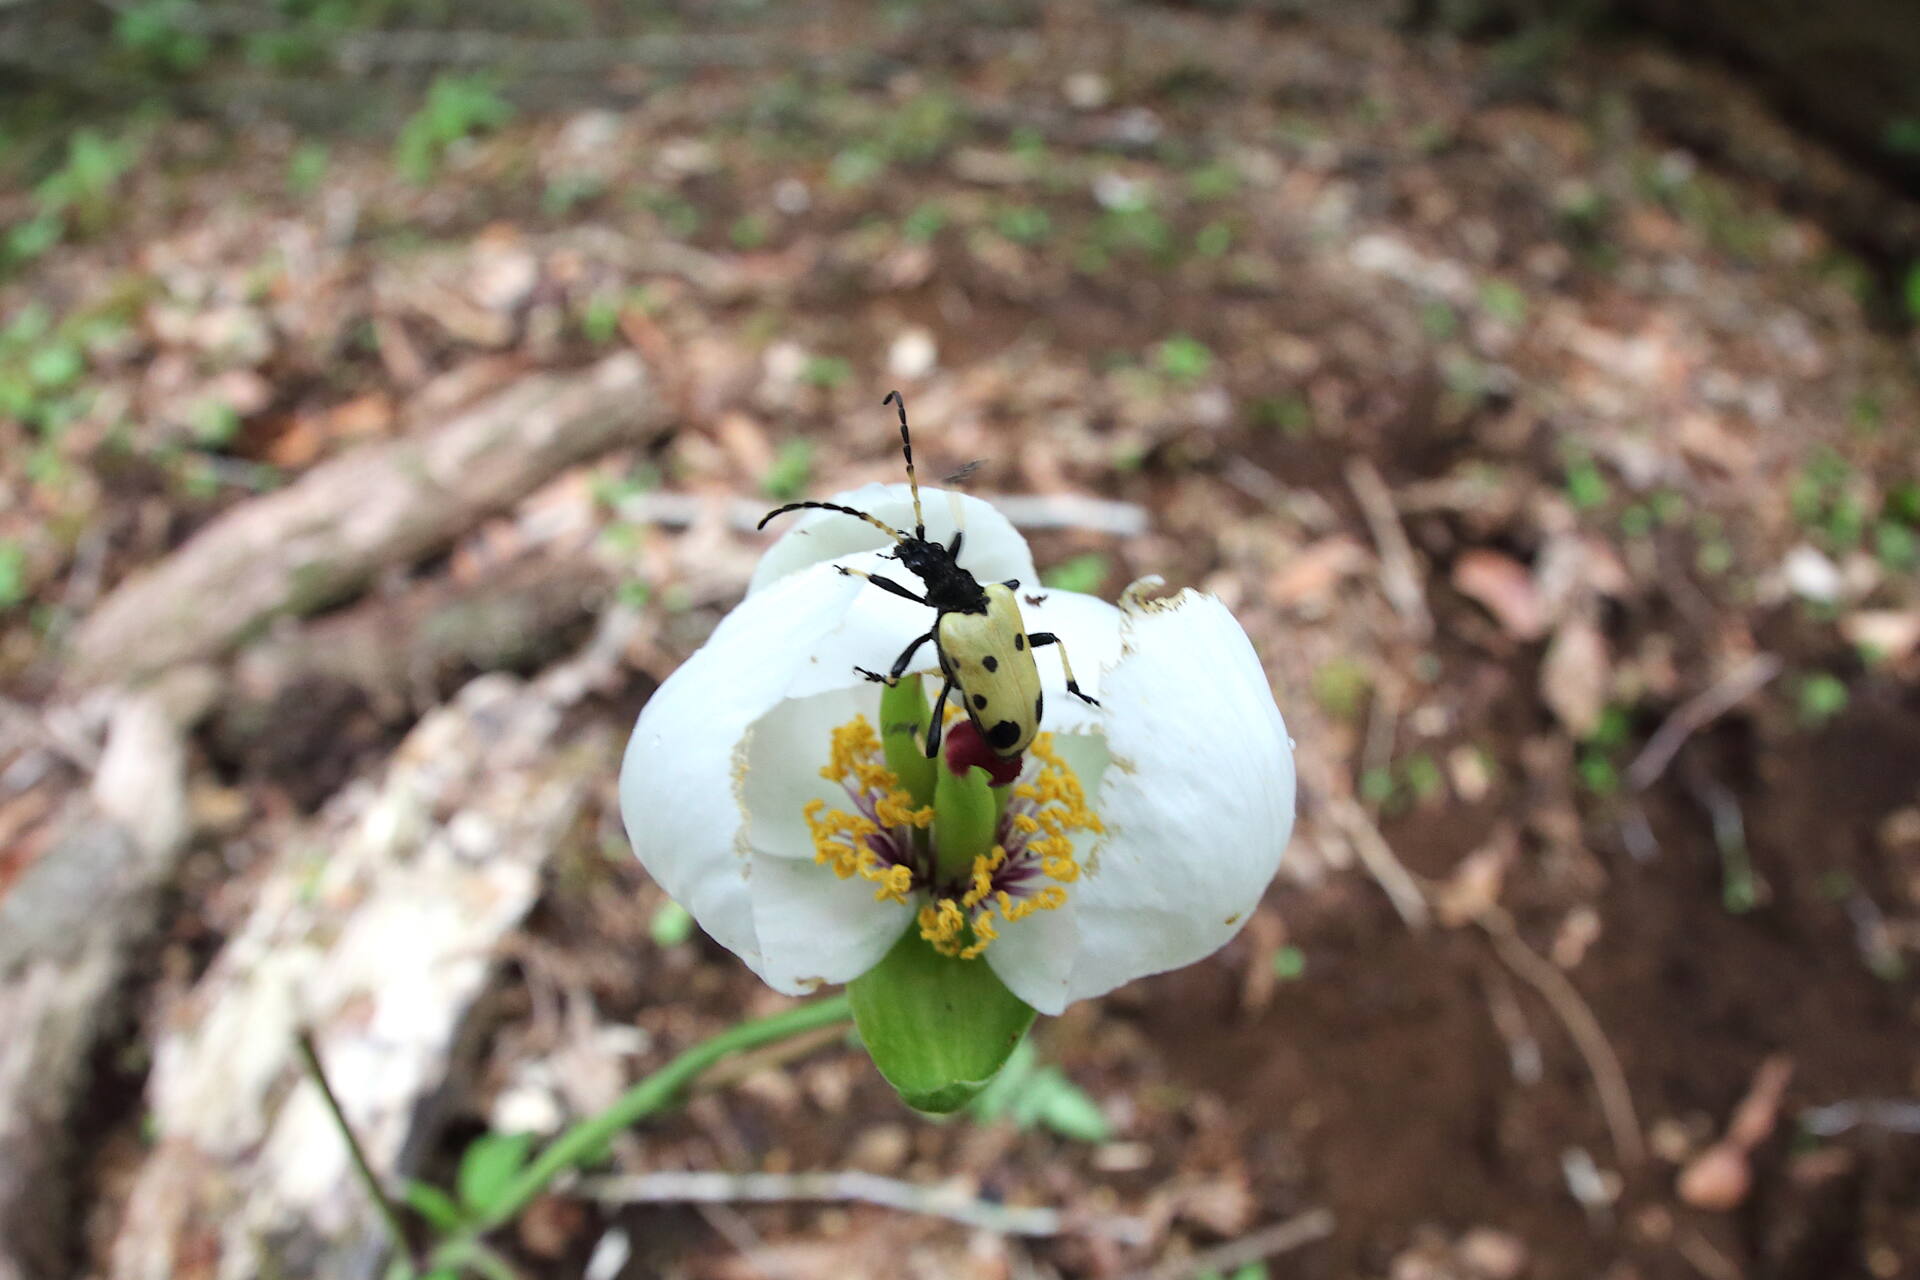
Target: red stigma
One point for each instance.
(965, 749)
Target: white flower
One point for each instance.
(1142, 832)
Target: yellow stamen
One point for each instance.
(839, 837)
(1054, 811)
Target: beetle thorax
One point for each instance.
(950, 589)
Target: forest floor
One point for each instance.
(1562, 460)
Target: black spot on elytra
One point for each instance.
(1003, 735)
(1039, 700)
(990, 662)
(979, 702)
(1020, 642)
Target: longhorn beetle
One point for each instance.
(984, 647)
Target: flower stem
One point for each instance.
(585, 1140)
(389, 1216)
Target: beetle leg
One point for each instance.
(953, 548)
(899, 664)
(1038, 638)
(938, 723)
(885, 584)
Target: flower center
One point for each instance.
(882, 837)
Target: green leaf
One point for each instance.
(1064, 1107)
(439, 1209)
(489, 1166)
(1003, 1091)
(937, 1027)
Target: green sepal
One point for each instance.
(938, 1027)
(966, 814)
(903, 735)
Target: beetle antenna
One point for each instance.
(875, 521)
(906, 447)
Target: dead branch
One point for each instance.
(1027, 511)
(1895, 1115)
(854, 1186)
(320, 539)
(1589, 1037)
(1696, 713)
(1283, 1237)
(68, 930)
(1377, 856)
(1399, 572)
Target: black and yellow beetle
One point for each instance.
(984, 648)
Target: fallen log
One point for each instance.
(377, 926)
(69, 931)
(320, 539)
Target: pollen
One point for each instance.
(1046, 809)
(872, 839)
(880, 836)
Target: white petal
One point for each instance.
(1035, 956)
(1198, 803)
(815, 928)
(1089, 630)
(785, 750)
(676, 782)
(992, 551)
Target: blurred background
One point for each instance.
(388, 389)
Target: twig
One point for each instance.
(1696, 713)
(1377, 856)
(1895, 1115)
(1071, 511)
(734, 1228)
(1510, 1020)
(1026, 511)
(1399, 572)
(1589, 1037)
(854, 1186)
(421, 48)
(1704, 1258)
(1268, 1242)
(389, 1216)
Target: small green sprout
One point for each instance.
(671, 925)
(307, 168)
(787, 478)
(1183, 359)
(1821, 697)
(1083, 573)
(826, 372)
(1289, 964)
(1587, 487)
(1341, 686)
(1023, 224)
(457, 107)
(1504, 301)
(925, 222)
(13, 573)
